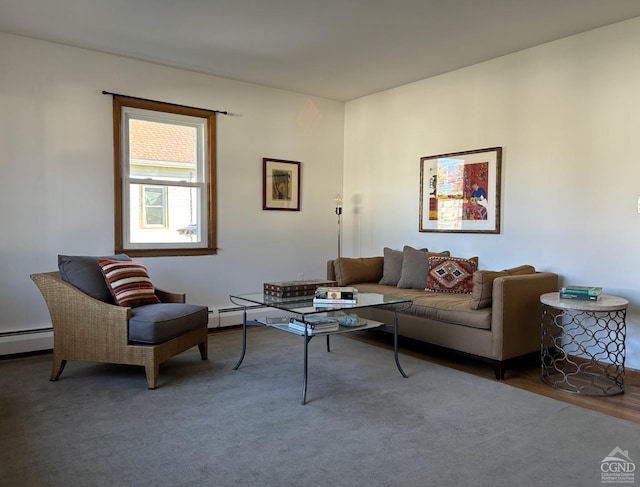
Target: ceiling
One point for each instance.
(338, 49)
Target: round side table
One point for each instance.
(583, 347)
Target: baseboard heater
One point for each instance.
(15, 343)
(25, 332)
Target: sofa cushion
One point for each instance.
(520, 270)
(354, 270)
(391, 267)
(157, 323)
(128, 282)
(451, 308)
(83, 272)
(451, 274)
(446, 307)
(415, 266)
(482, 293)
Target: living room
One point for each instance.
(564, 112)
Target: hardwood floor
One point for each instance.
(524, 374)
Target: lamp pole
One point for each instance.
(338, 200)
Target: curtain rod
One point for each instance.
(104, 92)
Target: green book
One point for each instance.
(586, 290)
(580, 297)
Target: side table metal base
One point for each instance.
(583, 345)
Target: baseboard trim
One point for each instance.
(14, 344)
(24, 342)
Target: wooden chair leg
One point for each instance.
(152, 371)
(57, 368)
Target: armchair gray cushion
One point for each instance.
(157, 323)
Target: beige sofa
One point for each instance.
(498, 321)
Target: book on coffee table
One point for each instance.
(274, 320)
(288, 289)
(331, 302)
(315, 324)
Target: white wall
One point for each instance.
(566, 115)
(57, 174)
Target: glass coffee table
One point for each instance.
(302, 310)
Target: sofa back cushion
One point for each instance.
(83, 272)
(520, 270)
(482, 293)
(358, 270)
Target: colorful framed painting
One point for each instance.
(460, 192)
(281, 185)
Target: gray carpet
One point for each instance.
(208, 425)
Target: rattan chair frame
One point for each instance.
(88, 329)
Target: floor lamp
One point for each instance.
(338, 200)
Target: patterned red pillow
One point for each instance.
(128, 282)
(451, 274)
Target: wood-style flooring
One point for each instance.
(524, 374)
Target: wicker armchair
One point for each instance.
(88, 329)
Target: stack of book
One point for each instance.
(315, 324)
(285, 291)
(585, 293)
(335, 295)
(274, 320)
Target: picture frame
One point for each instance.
(460, 192)
(281, 185)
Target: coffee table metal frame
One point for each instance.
(306, 308)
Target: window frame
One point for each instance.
(209, 236)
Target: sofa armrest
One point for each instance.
(516, 312)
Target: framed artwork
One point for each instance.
(281, 185)
(460, 192)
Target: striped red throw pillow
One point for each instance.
(128, 282)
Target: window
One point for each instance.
(154, 206)
(165, 178)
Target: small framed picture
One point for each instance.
(281, 185)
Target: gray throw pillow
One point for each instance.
(392, 267)
(415, 267)
(83, 272)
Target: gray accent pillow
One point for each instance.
(392, 267)
(83, 272)
(415, 267)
